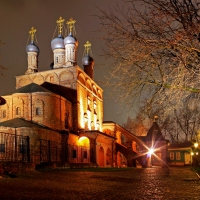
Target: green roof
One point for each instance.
(153, 134)
(31, 88)
(20, 122)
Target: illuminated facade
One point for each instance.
(57, 115)
(60, 110)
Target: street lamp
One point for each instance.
(151, 151)
(195, 153)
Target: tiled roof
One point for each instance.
(187, 144)
(19, 122)
(154, 134)
(31, 88)
(2, 101)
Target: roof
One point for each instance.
(68, 93)
(2, 101)
(20, 122)
(187, 144)
(31, 88)
(154, 133)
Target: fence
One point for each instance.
(50, 151)
(14, 148)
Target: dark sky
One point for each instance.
(18, 16)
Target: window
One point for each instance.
(18, 111)
(56, 59)
(178, 155)
(22, 148)
(51, 78)
(95, 107)
(89, 103)
(171, 156)
(4, 113)
(74, 154)
(85, 154)
(38, 111)
(2, 148)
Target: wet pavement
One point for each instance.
(124, 184)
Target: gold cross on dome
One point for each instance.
(71, 23)
(60, 24)
(87, 46)
(32, 33)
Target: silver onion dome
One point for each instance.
(70, 40)
(87, 60)
(32, 48)
(58, 43)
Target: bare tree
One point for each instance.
(136, 126)
(1, 67)
(180, 125)
(155, 49)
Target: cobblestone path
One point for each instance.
(124, 184)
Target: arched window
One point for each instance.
(56, 59)
(95, 107)
(38, 108)
(89, 103)
(38, 111)
(4, 114)
(18, 111)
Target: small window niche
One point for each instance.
(38, 111)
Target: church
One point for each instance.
(56, 116)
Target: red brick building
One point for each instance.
(56, 116)
(59, 110)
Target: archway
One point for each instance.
(101, 157)
(84, 149)
(109, 157)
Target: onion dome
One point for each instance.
(70, 40)
(87, 61)
(57, 43)
(32, 48)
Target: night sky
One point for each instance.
(18, 16)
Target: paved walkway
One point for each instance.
(123, 184)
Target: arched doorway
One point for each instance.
(84, 149)
(109, 157)
(101, 157)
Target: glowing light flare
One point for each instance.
(195, 144)
(84, 141)
(151, 151)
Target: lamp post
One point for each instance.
(195, 153)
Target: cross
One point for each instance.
(87, 46)
(32, 33)
(71, 23)
(60, 24)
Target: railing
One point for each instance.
(14, 148)
(50, 151)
